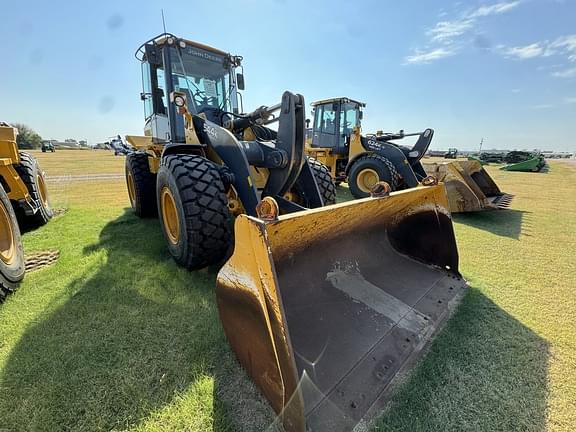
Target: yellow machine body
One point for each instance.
(328, 157)
(9, 156)
(324, 316)
(469, 187)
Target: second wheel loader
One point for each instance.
(337, 141)
(323, 315)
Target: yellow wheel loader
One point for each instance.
(323, 315)
(335, 139)
(23, 203)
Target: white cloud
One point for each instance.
(495, 9)
(565, 44)
(529, 51)
(421, 57)
(516, 90)
(570, 100)
(561, 47)
(542, 106)
(447, 30)
(566, 73)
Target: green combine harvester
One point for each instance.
(524, 161)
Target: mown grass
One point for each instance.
(79, 162)
(116, 337)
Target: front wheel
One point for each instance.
(11, 252)
(324, 181)
(193, 209)
(369, 170)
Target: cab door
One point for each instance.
(326, 126)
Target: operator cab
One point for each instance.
(206, 76)
(334, 121)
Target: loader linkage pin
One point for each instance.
(380, 190)
(267, 209)
(429, 181)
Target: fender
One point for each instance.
(393, 154)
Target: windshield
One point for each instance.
(203, 77)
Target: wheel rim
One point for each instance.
(42, 190)
(131, 190)
(170, 215)
(7, 241)
(366, 179)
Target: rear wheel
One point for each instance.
(369, 170)
(11, 252)
(33, 177)
(141, 183)
(193, 209)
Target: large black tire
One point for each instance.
(33, 177)
(141, 184)
(193, 210)
(324, 181)
(376, 165)
(11, 252)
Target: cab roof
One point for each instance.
(162, 39)
(338, 100)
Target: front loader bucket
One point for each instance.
(469, 187)
(326, 308)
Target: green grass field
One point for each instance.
(115, 336)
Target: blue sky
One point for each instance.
(502, 70)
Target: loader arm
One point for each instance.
(283, 157)
(290, 139)
(234, 157)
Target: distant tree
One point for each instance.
(27, 138)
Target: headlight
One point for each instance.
(179, 101)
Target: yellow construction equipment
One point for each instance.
(324, 305)
(335, 139)
(469, 187)
(23, 201)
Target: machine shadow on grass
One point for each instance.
(139, 336)
(485, 372)
(504, 223)
(131, 338)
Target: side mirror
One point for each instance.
(240, 81)
(361, 115)
(142, 96)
